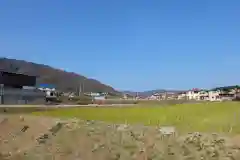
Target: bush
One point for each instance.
(53, 100)
(84, 100)
(81, 100)
(75, 99)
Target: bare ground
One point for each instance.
(32, 137)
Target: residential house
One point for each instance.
(171, 96)
(193, 94)
(204, 95)
(99, 98)
(227, 95)
(228, 92)
(181, 96)
(237, 96)
(163, 96)
(214, 95)
(46, 87)
(125, 96)
(217, 94)
(155, 96)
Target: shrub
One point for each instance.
(84, 100)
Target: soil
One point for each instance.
(32, 137)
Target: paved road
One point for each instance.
(65, 106)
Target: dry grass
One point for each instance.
(90, 140)
(119, 134)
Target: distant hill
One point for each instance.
(65, 81)
(150, 92)
(227, 87)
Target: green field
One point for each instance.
(221, 117)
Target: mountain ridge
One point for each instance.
(151, 92)
(63, 80)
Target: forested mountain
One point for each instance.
(66, 81)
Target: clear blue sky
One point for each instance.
(129, 44)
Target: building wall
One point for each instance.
(14, 79)
(21, 96)
(99, 98)
(203, 95)
(211, 95)
(214, 96)
(182, 96)
(13, 92)
(191, 95)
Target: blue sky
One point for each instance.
(129, 44)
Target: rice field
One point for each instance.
(221, 117)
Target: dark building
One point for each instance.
(19, 89)
(15, 80)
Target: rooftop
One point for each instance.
(19, 73)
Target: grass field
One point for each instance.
(24, 136)
(221, 117)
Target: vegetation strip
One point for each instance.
(208, 117)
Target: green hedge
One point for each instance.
(84, 100)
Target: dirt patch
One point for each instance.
(30, 137)
(18, 133)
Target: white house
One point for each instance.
(193, 95)
(154, 96)
(125, 96)
(182, 95)
(99, 98)
(214, 96)
(93, 94)
(204, 95)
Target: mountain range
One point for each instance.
(63, 80)
(150, 92)
(66, 81)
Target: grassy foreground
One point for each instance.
(221, 117)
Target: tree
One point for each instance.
(13, 68)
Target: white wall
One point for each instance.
(193, 96)
(99, 98)
(214, 96)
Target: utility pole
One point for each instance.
(80, 89)
(1, 93)
(1, 89)
(83, 89)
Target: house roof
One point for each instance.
(51, 86)
(227, 87)
(17, 73)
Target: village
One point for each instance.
(218, 94)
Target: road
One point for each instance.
(65, 106)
